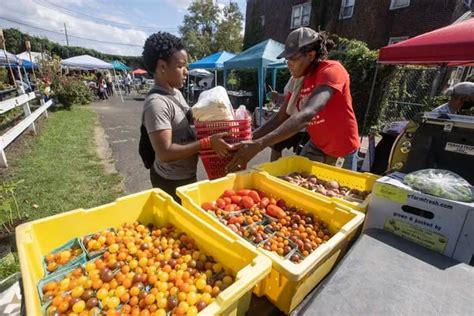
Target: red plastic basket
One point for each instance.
(215, 165)
(235, 128)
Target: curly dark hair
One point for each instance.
(161, 45)
(322, 47)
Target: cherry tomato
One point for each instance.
(247, 202)
(254, 195)
(228, 193)
(243, 192)
(236, 199)
(221, 203)
(264, 202)
(208, 206)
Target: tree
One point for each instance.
(15, 43)
(207, 29)
(229, 35)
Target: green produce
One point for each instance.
(440, 183)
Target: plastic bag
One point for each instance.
(213, 105)
(242, 113)
(440, 183)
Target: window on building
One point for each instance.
(394, 40)
(398, 4)
(347, 9)
(300, 15)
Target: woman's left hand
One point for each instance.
(220, 146)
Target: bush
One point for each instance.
(361, 63)
(71, 91)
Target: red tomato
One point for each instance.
(236, 199)
(220, 203)
(208, 206)
(247, 202)
(227, 200)
(229, 208)
(243, 192)
(254, 195)
(275, 211)
(281, 203)
(264, 202)
(228, 193)
(261, 194)
(235, 220)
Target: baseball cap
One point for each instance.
(298, 38)
(462, 88)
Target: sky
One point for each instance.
(108, 22)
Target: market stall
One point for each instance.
(257, 57)
(85, 62)
(212, 62)
(450, 45)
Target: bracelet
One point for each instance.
(205, 143)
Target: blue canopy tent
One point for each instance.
(258, 56)
(28, 64)
(213, 62)
(274, 68)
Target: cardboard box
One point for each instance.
(439, 224)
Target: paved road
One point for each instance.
(121, 122)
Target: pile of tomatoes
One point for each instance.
(269, 223)
(61, 258)
(145, 270)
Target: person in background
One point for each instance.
(108, 79)
(126, 82)
(102, 89)
(295, 140)
(167, 117)
(321, 102)
(461, 97)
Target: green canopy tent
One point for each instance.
(119, 66)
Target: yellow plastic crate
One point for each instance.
(354, 180)
(37, 238)
(288, 283)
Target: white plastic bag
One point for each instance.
(440, 183)
(241, 113)
(213, 105)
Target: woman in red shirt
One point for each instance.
(320, 101)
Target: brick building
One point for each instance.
(377, 23)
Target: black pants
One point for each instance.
(169, 186)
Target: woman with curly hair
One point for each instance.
(167, 117)
(320, 101)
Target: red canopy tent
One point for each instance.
(452, 45)
(139, 71)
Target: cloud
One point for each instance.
(46, 18)
(180, 4)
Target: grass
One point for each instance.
(61, 169)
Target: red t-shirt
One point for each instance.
(334, 129)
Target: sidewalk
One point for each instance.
(121, 124)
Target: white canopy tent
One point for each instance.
(199, 72)
(86, 62)
(35, 56)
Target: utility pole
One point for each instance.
(65, 31)
(2, 44)
(28, 49)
